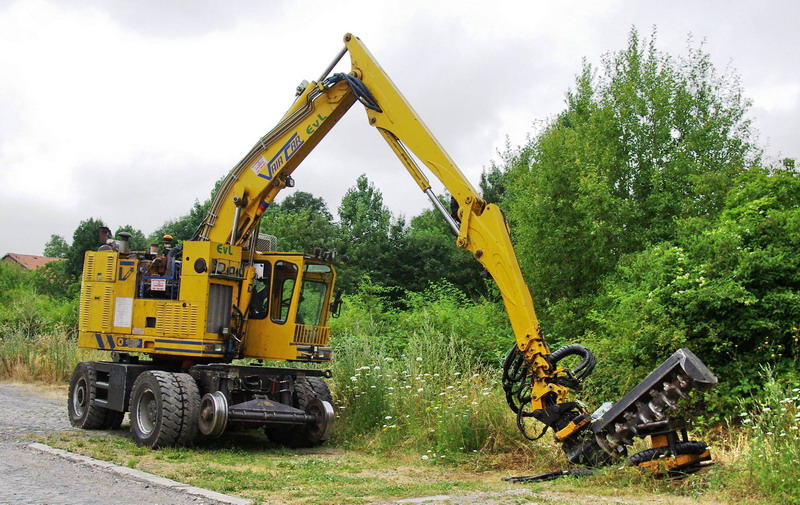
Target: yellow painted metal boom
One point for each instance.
(255, 181)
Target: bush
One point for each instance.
(441, 311)
(37, 331)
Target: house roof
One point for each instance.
(29, 261)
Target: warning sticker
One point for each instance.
(260, 163)
(123, 309)
(158, 284)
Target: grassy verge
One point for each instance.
(246, 465)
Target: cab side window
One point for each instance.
(285, 277)
(259, 303)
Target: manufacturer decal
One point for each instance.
(126, 269)
(285, 154)
(225, 249)
(129, 342)
(313, 126)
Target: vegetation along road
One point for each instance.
(320, 476)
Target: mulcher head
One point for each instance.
(650, 401)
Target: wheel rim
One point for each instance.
(146, 412)
(79, 398)
(213, 414)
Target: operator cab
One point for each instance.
(290, 306)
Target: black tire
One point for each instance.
(82, 392)
(191, 399)
(306, 389)
(164, 409)
(682, 448)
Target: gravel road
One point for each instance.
(33, 477)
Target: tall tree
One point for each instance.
(729, 290)
(303, 200)
(84, 239)
(430, 255)
(56, 247)
(645, 139)
(300, 228)
(362, 214)
(364, 226)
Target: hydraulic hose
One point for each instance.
(586, 365)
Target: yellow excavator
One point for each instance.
(175, 320)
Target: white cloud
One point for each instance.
(131, 110)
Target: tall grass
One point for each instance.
(769, 467)
(433, 400)
(37, 331)
(439, 312)
(46, 357)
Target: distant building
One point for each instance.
(28, 261)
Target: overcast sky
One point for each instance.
(129, 111)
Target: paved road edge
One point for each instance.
(140, 475)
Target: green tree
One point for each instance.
(303, 200)
(85, 238)
(301, 229)
(729, 290)
(364, 226)
(429, 255)
(52, 280)
(56, 247)
(362, 214)
(645, 139)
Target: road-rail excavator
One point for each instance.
(175, 320)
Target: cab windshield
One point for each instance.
(313, 294)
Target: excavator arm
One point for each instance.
(535, 385)
(480, 227)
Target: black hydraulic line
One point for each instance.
(521, 426)
(515, 374)
(549, 476)
(586, 365)
(363, 93)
